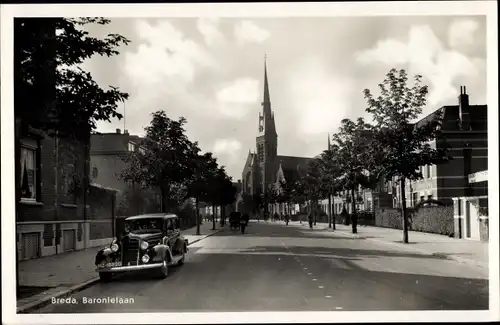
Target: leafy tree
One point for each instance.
(205, 168)
(400, 146)
(330, 173)
(271, 196)
(50, 94)
(221, 191)
(351, 145)
(166, 161)
(314, 185)
(298, 193)
(62, 98)
(228, 196)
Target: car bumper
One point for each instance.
(117, 269)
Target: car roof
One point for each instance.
(153, 215)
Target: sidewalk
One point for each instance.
(60, 275)
(461, 250)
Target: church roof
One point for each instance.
(292, 167)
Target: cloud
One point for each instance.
(461, 33)
(425, 54)
(227, 149)
(248, 32)
(208, 28)
(164, 53)
(243, 91)
(320, 99)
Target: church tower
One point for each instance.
(267, 141)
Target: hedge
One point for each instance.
(431, 219)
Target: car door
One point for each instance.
(171, 232)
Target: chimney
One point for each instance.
(464, 109)
(118, 131)
(125, 131)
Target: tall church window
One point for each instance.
(261, 152)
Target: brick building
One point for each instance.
(107, 151)
(51, 217)
(464, 129)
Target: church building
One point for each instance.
(264, 166)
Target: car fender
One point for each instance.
(102, 254)
(163, 251)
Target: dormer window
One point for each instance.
(131, 146)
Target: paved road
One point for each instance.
(291, 268)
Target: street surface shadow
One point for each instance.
(347, 252)
(279, 233)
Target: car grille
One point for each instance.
(130, 252)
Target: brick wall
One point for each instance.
(100, 230)
(70, 171)
(434, 219)
(102, 207)
(102, 203)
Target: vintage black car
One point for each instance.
(147, 242)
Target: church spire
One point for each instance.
(267, 98)
(266, 120)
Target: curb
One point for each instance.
(79, 287)
(421, 251)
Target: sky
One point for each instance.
(211, 72)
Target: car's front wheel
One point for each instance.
(105, 276)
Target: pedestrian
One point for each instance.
(310, 217)
(354, 219)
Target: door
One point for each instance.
(69, 240)
(31, 245)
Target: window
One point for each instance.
(28, 173)
(429, 197)
(261, 152)
(459, 205)
(421, 198)
(131, 146)
(428, 171)
(414, 199)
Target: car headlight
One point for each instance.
(144, 245)
(145, 258)
(114, 247)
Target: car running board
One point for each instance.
(175, 260)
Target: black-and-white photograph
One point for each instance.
(157, 160)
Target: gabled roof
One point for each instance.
(450, 116)
(111, 142)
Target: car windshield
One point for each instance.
(144, 225)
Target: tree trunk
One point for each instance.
(353, 214)
(403, 206)
(333, 214)
(163, 199)
(329, 211)
(197, 216)
(214, 215)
